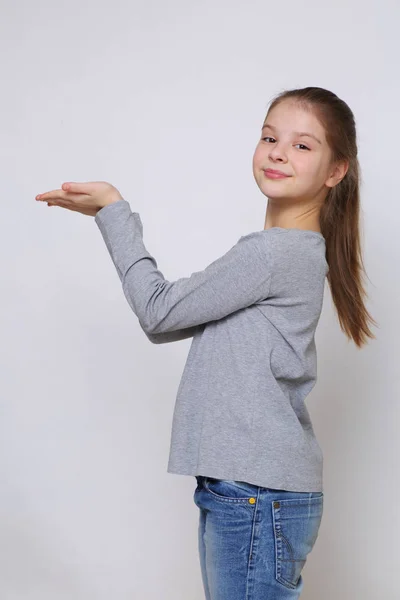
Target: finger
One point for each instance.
(59, 195)
(62, 204)
(79, 188)
(52, 194)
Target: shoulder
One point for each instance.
(263, 242)
(287, 247)
(262, 238)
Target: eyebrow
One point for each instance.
(298, 133)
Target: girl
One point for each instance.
(240, 423)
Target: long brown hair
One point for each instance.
(340, 212)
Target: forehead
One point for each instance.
(288, 118)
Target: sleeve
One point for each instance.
(173, 336)
(236, 280)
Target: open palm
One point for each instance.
(87, 198)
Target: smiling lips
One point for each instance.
(273, 174)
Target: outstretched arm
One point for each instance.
(236, 280)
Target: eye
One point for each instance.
(271, 138)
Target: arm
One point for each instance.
(239, 278)
(172, 336)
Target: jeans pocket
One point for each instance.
(296, 524)
(229, 490)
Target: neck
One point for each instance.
(277, 215)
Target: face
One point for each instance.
(303, 158)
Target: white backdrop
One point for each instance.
(165, 100)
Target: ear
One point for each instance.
(338, 173)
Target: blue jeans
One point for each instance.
(254, 541)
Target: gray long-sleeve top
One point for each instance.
(240, 410)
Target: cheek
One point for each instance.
(316, 172)
(258, 157)
(307, 167)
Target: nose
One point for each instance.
(277, 153)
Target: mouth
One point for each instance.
(273, 174)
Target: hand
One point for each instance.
(87, 198)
